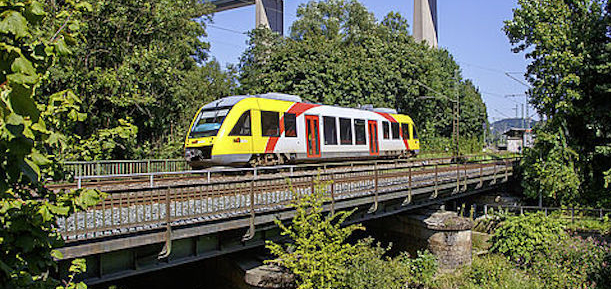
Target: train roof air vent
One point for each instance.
(281, 96)
(385, 110)
(377, 109)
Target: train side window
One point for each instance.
(242, 126)
(405, 130)
(330, 128)
(386, 130)
(345, 131)
(359, 132)
(415, 136)
(270, 123)
(290, 125)
(395, 130)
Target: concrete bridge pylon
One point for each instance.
(425, 21)
(270, 14)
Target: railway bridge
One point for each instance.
(154, 220)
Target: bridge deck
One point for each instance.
(209, 219)
(222, 5)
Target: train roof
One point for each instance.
(232, 100)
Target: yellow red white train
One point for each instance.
(273, 128)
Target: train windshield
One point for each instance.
(208, 122)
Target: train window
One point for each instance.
(290, 125)
(386, 130)
(405, 130)
(330, 128)
(242, 127)
(270, 123)
(208, 122)
(415, 136)
(395, 130)
(345, 131)
(359, 131)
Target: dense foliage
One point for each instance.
(28, 141)
(141, 71)
(320, 255)
(569, 45)
(338, 54)
(370, 269)
(522, 237)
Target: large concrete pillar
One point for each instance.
(425, 21)
(443, 233)
(270, 14)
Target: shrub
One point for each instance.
(522, 237)
(572, 263)
(370, 269)
(492, 271)
(318, 252)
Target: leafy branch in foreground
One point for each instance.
(28, 211)
(319, 253)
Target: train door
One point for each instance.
(374, 149)
(312, 135)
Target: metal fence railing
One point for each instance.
(115, 167)
(565, 213)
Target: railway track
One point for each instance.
(134, 209)
(163, 179)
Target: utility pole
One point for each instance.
(523, 120)
(527, 115)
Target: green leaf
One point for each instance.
(29, 169)
(20, 78)
(84, 6)
(22, 102)
(35, 11)
(57, 254)
(45, 213)
(22, 65)
(14, 23)
(59, 210)
(14, 119)
(62, 47)
(39, 158)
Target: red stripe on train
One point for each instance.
(392, 119)
(298, 108)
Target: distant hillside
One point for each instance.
(499, 127)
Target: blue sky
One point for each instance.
(469, 29)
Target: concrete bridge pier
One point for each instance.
(270, 14)
(443, 233)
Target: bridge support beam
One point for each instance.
(443, 233)
(425, 21)
(270, 14)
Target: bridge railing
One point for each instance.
(568, 213)
(116, 167)
(126, 211)
(152, 170)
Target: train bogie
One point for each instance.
(277, 129)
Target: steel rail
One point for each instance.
(151, 177)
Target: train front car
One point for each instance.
(206, 131)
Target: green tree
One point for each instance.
(339, 55)
(145, 61)
(28, 210)
(570, 51)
